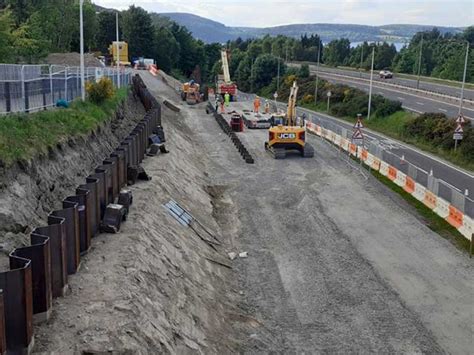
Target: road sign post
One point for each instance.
(329, 98)
(458, 132)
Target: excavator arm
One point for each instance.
(291, 110)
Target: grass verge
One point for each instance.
(25, 136)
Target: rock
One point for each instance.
(243, 254)
(232, 255)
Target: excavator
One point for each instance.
(190, 92)
(288, 136)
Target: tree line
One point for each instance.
(31, 29)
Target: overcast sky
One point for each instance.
(264, 13)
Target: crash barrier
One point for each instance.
(443, 208)
(233, 136)
(39, 272)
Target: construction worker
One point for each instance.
(227, 99)
(217, 103)
(256, 104)
(222, 106)
(267, 106)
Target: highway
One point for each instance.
(411, 99)
(424, 85)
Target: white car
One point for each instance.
(386, 74)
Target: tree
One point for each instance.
(106, 30)
(337, 52)
(166, 49)
(138, 31)
(265, 69)
(6, 38)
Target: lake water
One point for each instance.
(398, 45)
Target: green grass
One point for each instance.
(26, 136)
(392, 126)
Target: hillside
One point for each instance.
(212, 31)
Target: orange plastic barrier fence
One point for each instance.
(455, 217)
(430, 199)
(364, 154)
(409, 185)
(392, 173)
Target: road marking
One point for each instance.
(412, 109)
(420, 103)
(400, 98)
(442, 109)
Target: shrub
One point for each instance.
(387, 107)
(308, 98)
(303, 72)
(100, 91)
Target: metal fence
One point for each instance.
(28, 88)
(438, 187)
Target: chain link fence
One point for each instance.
(29, 88)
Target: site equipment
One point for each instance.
(122, 55)
(143, 63)
(288, 136)
(190, 92)
(236, 122)
(224, 84)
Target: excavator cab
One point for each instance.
(288, 136)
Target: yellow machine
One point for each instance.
(122, 55)
(288, 136)
(190, 92)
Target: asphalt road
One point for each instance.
(410, 100)
(424, 85)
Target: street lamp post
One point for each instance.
(81, 32)
(419, 63)
(361, 58)
(317, 74)
(371, 80)
(118, 48)
(278, 75)
(463, 79)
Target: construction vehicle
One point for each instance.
(224, 84)
(190, 92)
(289, 136)
(122, 54)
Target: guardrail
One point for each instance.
(39, 272)
(459, 212)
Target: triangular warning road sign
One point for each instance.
(458, 129)
(357, 134)
(460, 119)
(358, 124)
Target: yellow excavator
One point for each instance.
(289, 136)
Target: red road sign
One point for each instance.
(357, 134)
(460, 119)
(458, 129)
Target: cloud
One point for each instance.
(264, 13)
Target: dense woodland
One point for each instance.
(30, 29)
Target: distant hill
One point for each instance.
(212, 31)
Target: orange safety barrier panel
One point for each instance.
(430, 199)
(409, 185)
(455, 217)
(364, 154)
(353, 149)
(392, 173)
(376, 164)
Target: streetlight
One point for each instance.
(81, 31)
(464, 78)
(419, 63)
(118, 48)
(278, 75)
(371, 79)
(361, 58)
(317, 75)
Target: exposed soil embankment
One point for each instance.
(29, 191)
(155, 287)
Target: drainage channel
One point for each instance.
(39, 272)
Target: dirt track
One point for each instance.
(337, 263)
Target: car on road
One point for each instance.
(386, 74)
